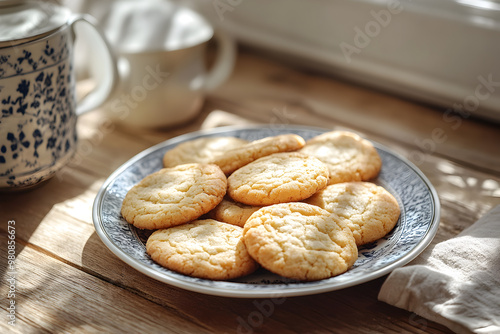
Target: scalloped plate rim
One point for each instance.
(248, 290)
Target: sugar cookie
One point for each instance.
(348, 156)
(231, 212)
(240, 156)
(174, 196)
(278, 178)
(202, 248)
(300, 241)
(200, 150)
(369, 210)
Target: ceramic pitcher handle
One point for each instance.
(108, 76)
(224, 61)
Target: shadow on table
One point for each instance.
(28, 208)
(345, 311)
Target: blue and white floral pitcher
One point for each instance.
(38, 108)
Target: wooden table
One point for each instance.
(66, 280)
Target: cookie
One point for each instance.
(278, 178)
(174, 196)
(300, 241)
(369, 210)
(200, 150)
(348, 156)
(231, 212)
(240, 156)
(202, 248)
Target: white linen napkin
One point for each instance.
(457, 282)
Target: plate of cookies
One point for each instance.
(262, 211)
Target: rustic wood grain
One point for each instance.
(55, 297)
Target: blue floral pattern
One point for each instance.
(37, 109)
(31, 57)
(414, 231)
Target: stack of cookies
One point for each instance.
(222, 207)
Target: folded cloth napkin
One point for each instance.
(456, 283)
(218, 118)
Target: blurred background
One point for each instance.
(445, 53)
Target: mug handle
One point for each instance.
(108, 77)
(224, 62)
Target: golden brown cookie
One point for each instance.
(202, 248)
(200, 150)
(278, 178)
(240, 156)
(369, 210)
(300, 241)
(174, 196)
(348, 156)
(231, 212)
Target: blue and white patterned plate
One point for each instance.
(415, 229)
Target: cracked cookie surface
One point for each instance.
(231, 212)
(200, 150)
(369, 210)
(240, 156)
(278, 178)
(348, 156)
(300, 241)
(203, 248)
(174, 196)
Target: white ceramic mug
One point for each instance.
(37, 89)
(161, 60)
